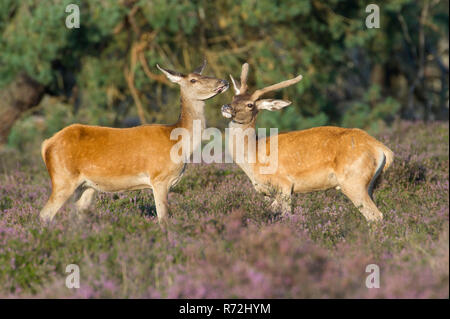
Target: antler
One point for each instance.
(277, 86)
(241, 88)
(244, 74)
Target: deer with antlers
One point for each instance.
(93, 158)
(309, 160)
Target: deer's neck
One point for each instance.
(191, 110)
(236, 125)
(243, 134)
(192, 119)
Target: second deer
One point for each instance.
(309, 160)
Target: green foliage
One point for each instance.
(32, 40)
(5, 203)
(172, 16)
(371, 110)
(326, 42)
(29, 133)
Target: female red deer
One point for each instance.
(89, 158)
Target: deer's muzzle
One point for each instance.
(227, 111)
(223, 86)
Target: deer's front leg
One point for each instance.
(282, 199)
(283, 203)
(160, 191)
(286, 205)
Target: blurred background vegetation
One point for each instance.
(104, 72)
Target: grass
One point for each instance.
(224, 240)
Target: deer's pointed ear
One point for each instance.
(271, 104)
(173, 76)
(200, 68)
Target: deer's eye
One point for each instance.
(193, 80)
(250, 105)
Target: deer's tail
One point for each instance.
(44, 147)
(389, 156)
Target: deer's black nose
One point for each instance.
(227, 108)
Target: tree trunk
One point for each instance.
(20, 95)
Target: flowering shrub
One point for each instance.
(225, 241)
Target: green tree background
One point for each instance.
(104, 72)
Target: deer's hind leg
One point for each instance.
(358, 187)
(360, 197)
(84, 200)
(62, 189)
